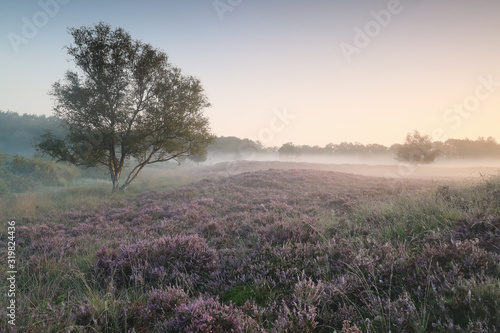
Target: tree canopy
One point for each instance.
(124, 104)
(417, 149)
(19, 133)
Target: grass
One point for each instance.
(83, 193)
(379, 258)
(411, 217)
(408, 218)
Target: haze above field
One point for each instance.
(289, 71)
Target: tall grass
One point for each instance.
(410, 217)
(284, 250)
(82, 194)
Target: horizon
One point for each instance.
(310, 74)
(300, 144)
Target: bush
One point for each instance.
(209, 315)
(20, 174)
(4, 187)
(163, 302)
(417, 149)
(181, 260)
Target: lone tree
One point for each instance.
(417, 149)
(125, 106)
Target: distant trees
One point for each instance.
(340, 149)
(198, 158)
(289, 149)
(417, 149)
(126, 104)
(19, 173)
(466, 148)
(4, 187)
(235, 147)
(19, 133)
(450, 149)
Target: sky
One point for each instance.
(308, 72)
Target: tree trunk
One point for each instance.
(116, 182)
(115, 172)
(132, 176)
(116, 186)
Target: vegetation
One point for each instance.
(126, 104)
(268, 251)
(20, 174)
(51, 186)
(417, 149)
(198, 158)
(20, 133)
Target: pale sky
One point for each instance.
(310, 72)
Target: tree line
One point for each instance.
(20, 133)
(450, 149)
(125, 106)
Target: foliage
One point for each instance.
(198, 158)
(181, 260)
(235, 147)
(19, 133)
(296, 250)
(466, 148)
(125, 104)
(288, 149)
(417, 149)
(19, 174)
(4, 187)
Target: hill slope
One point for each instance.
(269, 251)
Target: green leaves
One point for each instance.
(125, 101)
(417, 149)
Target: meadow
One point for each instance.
(243, 248)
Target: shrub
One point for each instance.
(209, 315)
(179, 260)
(4, 187)
(301, 315)
(484, 230)
(469, 302)
(163, 302)
(282, 232)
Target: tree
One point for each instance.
(19, 133)
(289, 149)
(4, 187)
(198, 158)
(125, 104)
(417, 149)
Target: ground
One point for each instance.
(269, 247)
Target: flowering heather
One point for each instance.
(269, 251)
(180, 260)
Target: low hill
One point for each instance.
(268, 251)
(390, 172)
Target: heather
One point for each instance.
(268, 251)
